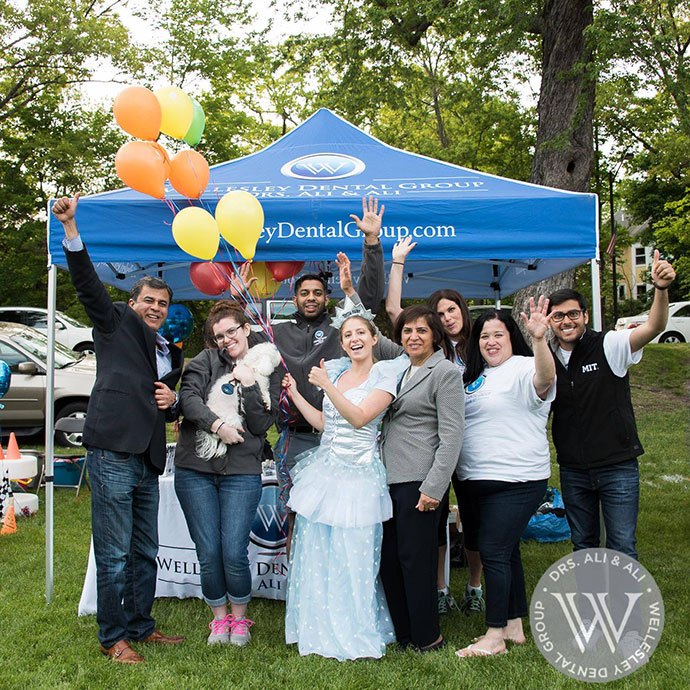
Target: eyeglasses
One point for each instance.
(573, 315)
(230, 333)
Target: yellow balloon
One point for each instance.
(177, 111)
(240, 220)
(265, 285)
(196, 232)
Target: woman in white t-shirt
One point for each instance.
(504, 463)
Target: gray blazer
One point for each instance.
(423, 428)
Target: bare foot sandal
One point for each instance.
(475, 650)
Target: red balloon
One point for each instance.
(282, 270)
(209, 277)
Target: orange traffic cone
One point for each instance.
(13, 448)
(9, 524)
(2, 455)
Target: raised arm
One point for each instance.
(394, 297)
(662, 276)
(65, 210)
(536, 325)
(372, 273)
(90, 290)
(308, 411)
(358, 415)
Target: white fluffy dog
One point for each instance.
(262, 359)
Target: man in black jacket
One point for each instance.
(124, 434)
(594, 428)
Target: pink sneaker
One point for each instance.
(239, 631)
(220, 630)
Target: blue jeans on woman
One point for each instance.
(219, 510)
(124, 522)
(616, 488)
(494, 515)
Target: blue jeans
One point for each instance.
(494, 515)
(124, 523)
(219, 510)
(616, 488)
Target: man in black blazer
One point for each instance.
(124, 434)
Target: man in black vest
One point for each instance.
(594, 428)
(124, 434)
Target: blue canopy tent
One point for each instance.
(484, 235)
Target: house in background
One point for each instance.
(634, 263)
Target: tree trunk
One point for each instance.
(564, 151)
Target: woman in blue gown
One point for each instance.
(335, 603)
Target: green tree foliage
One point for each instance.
(50, 142)
(644, 108)
(672, 236)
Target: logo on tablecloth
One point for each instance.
(269, 529)
(268, 538)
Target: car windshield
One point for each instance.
(36, 343)
(71, 321)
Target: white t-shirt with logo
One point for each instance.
(505, 425)
(616, 350)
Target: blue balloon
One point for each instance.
(179, 324)
(5, 376)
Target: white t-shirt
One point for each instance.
(616, 350)
(505, 425)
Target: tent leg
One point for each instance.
(49, 432)
(596, 295)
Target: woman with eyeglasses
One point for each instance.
(229, 399)
(505, 461)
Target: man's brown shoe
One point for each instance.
(159, 638)
(122, 653)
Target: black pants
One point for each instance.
(409, 559)
(494, 515)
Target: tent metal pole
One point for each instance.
(49, 432)
(596, 276)
(596, 295)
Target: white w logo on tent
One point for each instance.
(602, 617)
(331, 168)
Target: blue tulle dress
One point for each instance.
(335, 602)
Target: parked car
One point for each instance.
(677, 327)
(25, 351)
(68, 331)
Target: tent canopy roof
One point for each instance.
(483, 235)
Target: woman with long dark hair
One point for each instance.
(504, 463)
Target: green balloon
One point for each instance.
(196, 129)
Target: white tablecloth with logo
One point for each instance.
(178, 567)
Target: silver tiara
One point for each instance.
(348, 310)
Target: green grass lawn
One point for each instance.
(48, 646)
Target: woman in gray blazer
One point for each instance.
(421, 440)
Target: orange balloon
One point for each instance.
(142, 166)
(138, 112)
(189, 173)
(164, 157)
